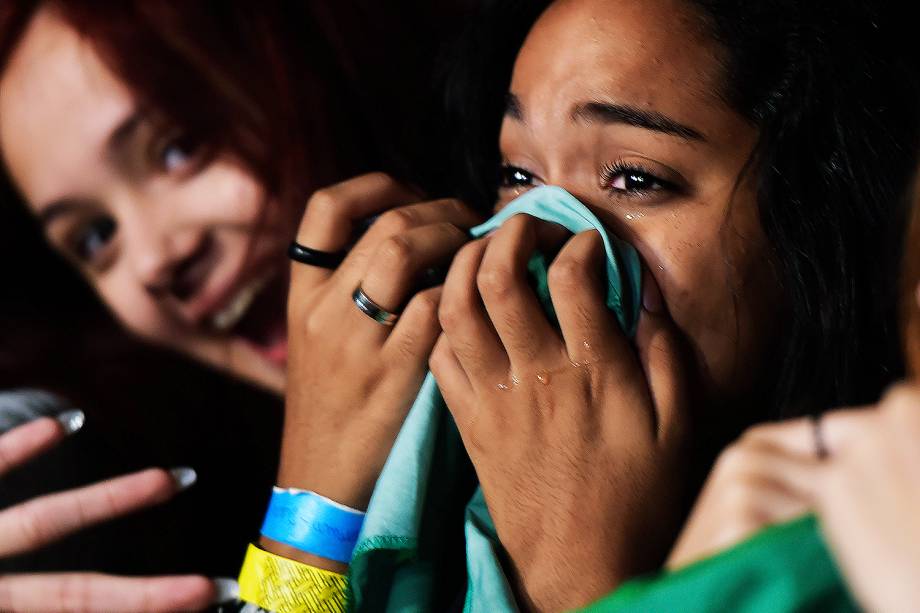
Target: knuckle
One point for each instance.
(407, 349)
(566, 276)
(735, 459)
(380, 177)
(396, 221)
(495, 282)
(438, 359)
(425, 305)
(324, 203)
(395, 253)
(449, 316)
(451, 232)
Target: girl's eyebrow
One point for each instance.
(120, 138)
(608, 113)
(59, 208)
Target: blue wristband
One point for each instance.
(312, 523)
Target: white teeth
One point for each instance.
(231, 314)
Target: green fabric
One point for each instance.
(784, 568)
(418, 503)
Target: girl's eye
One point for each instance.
(92, 237)
(515, 177)
(628, 179)
(177, 153)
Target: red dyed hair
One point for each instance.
(303, 93)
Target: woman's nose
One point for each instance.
(175, 265)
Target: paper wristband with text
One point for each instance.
(274, 583)
(312, 523)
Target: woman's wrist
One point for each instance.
(292, 553)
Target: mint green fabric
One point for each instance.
(402, 560)
(785, 568)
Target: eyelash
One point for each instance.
(609, 175)
(633, 171)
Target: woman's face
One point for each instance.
(177, 242)
(618, 101)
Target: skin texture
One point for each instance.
(167, 233)
(35, 523)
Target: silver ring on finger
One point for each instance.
(372, 309)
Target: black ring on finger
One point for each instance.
(315, 257)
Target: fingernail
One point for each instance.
(184, 477)
(651, 296)
(71, 420)
(225, 590)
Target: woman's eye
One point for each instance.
(92, 237)
(626, 179)
(177, 153)
(516, 177)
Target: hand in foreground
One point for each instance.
(40, 521)
(866, 493)
(577, 441)
(351, 379)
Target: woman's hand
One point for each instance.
(866, 493)
(767, 477)
(868, 499)
(576, 440)
(38, 522)
(352, 380)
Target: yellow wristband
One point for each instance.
(281, 585)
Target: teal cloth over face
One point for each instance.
(421, 517)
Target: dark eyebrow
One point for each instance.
(619, 113)
(124, 133)
(513, 107)
(58, 208)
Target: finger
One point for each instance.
(578, 286)
(756, 459)
(397, 267)
(332, 212)
(46, 519)
(516, 314)
(417, 329)
(91, 592)
(463, 318)
(452, 380)
(663, 358)
(799, 437)
(398, 222)
(24, 442)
